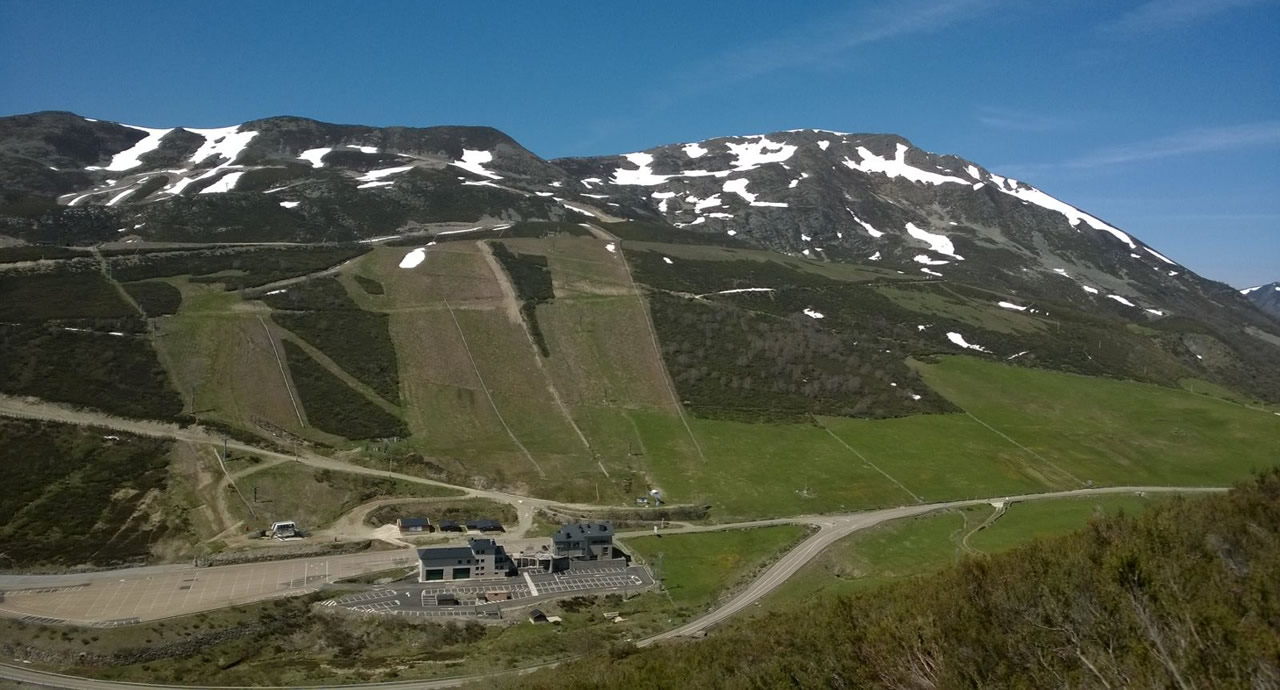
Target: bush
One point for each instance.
(532, 280)
(155, 298)
(334, 407)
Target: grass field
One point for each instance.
(698, 568)
(928, 543)
(1077, 428)
(1113, 432)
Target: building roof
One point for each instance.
(448, 524)
(581, 530)
(414, 522)
(444, 552)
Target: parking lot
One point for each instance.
(420, 599)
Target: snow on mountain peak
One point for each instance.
(225, 142)
(897, 167)
(473, 162)
(128, 158)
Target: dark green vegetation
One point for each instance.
(369, 285)
(734, 363)
(332, 406)
(466, 509)
(76, 495)
(83, 294)
(38, 252)
(322, 313)
(154, 297)
(532, 280)
(69, 336)
(234, 268)
(1182, 595)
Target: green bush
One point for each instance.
(334, 407)
(155, 298)
(322, 313)
(77, 495)
(532, 280)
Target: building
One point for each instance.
(479, 558)
(484, 525)
(414, 525)
(450, 526)
(584, 541)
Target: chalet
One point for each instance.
(413, 525)
(450, 526)
(484, 525)
(584, 541)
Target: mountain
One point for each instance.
(870, 199)
(1265, 297)
(685, 317)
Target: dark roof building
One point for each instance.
(449, 526)
(587, 541)
(479, 558)
(484, 525)
(414, 524)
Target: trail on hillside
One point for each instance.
(288, 387)
(489, 396)
(512, 306)
(657, 352)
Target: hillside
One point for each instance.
(1180, 596)
(445, 302)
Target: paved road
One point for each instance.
(830, 529)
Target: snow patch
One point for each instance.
(938, 243)
(739, 187)
(667, 260)
(642, 175)
(897, 167)
(413, 258)
(865, 225)
(931, 272)
(824, 144)
(225, 184)
(1121, 300)
(611, 248)
(750, 155)
(315, 156)
(290, 204)
(694, 150)
(924, 259)
(473, 162)
(366, 149)
(813, 314)
(874, 257)
(959, 341)
(225, 142)
(1090, 289)
(128, 158)
(376, 175)
(1157, 312)
(1160, 256)
(1011, 305)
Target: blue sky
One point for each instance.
(1162, 117)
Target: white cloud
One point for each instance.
(1020, 121)
(1161, 15)
(1201, 140)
